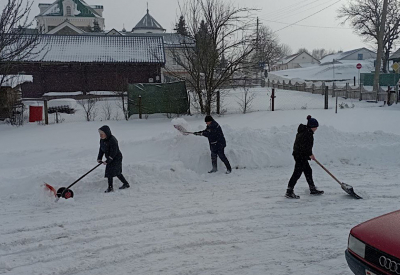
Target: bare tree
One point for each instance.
(14, 45)
(301, 50)
(219, 41)
(268, 49)
(107, 109)
(246, 99)
(89, 106)
(320, 53)
(365, 16)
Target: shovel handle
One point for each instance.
(326, 170)
(84, 175)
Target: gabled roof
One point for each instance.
(341, 55)
(395, 55)
(113, 32)
(289, 58)
(83, 9)
(148, 23)
(98, 49)
(66, 24)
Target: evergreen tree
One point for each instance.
(180, 27)
(96, 26)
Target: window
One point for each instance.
(69, 13)
(360, 56)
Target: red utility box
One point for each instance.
(35, 113)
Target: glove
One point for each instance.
(99, 161)
(198, 133)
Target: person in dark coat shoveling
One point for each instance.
(109, 148)
(217, 143)
(302, 153)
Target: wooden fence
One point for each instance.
(346, 91)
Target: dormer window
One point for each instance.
(69, 13)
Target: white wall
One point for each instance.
(366, 55)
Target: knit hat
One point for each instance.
(208, 119)
(312, 122)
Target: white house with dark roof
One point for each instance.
(298, 60)
(77, 12)
(356, 54)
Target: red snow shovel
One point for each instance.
(346, 187)
(65, 192)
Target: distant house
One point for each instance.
(298, 60)
(77, 12)
(357, 54)
(395, 57)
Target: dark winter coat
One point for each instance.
(215, 136)
(304, 143)
(109, 148)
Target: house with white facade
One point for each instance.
(66, 16)
(356, 54)
(298, 60)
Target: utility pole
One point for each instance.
(257, 56)
(380, 48)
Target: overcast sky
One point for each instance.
(321, 30)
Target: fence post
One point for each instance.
(347, 90)
(218, 101)
(273, 100)
(326, 97)
(140, 106)
(360, 91)
(46, 112)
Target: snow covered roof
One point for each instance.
(341, 55)
(149, 23)
(395, 55)
(100, 49)
(15, 80)
(83, 9)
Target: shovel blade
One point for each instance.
(50, 188)
(349, 190)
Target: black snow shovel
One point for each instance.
(347, 188)
(66, 192)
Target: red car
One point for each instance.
(374, 246)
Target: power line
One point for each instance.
(307, 16)
(308, 26)
(293, 11)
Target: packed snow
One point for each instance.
(178, 219)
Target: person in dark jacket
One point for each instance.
(217, 143)
(109, 148)
(302, 153)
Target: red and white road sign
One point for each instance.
(359, 66)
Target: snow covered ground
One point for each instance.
(178, 219)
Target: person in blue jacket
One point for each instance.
(217, 143)
(110, 149)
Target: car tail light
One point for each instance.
(356, 246)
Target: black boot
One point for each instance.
(109, 189)
(124, 181)
(214, 165)
(315, 191)
(291, 195)
(110, 185)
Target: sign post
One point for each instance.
(359, 66)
